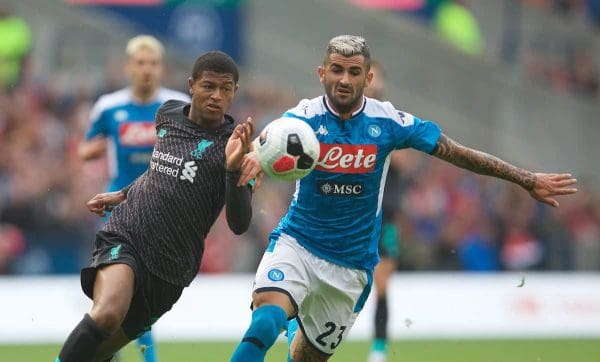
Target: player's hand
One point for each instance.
(92, 149)
(104, 202)
(552, 184)
(250, 169)
(239, 144)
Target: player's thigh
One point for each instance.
(153, 298)
(112, 345)
(282, 277)
(303, 351)
(113, 289)
(110, 280)
(337, 296)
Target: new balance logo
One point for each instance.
(189, 172)
(115, 252)
(322, 131)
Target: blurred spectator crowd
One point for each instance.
(454, 220)
(565, 61)
(567, 64)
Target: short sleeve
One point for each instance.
(411, 131)
(424, 135)
(98, 122)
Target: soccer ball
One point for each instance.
(287, 149)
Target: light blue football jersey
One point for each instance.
(335, 211)
(130, 131)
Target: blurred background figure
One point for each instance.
(455, 23)
(389, 245)
(14, 48)
(12, 244)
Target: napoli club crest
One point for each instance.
(276, 275)
(374, 131)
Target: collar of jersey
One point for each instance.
(330, 109)
(228, 121)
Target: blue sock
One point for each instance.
(292, 328)
(267, 323)
(379, 345)
(146, 344)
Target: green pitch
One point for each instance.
(400, 351)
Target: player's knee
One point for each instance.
(261, 299)
(108, 317)
(273, 298)
(267, 323)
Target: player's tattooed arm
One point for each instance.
(541, 186)
(482, 163)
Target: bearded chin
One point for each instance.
(344, 107)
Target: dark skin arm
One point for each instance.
(541, 186)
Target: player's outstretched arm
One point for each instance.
(92, 149)
(541, 186)
(101, 203)
(238, 209)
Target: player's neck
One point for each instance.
(346, 113)
(196, 118)
(143, 95)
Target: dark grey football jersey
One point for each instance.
(171, 207)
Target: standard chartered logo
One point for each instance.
(189, 171)
(171, 165)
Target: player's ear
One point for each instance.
(321, 73)
(191, 85)
(369, 77)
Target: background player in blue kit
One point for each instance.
(122, 123)
(122, 126)
(318, 267)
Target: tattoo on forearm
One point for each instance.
(482, 163)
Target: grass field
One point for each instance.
(401, 351)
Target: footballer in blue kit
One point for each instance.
(336, 210)
(317, 270)
(122, 126)
(127, 125)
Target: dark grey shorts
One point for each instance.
(152, 296)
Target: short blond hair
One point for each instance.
(140, 42)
